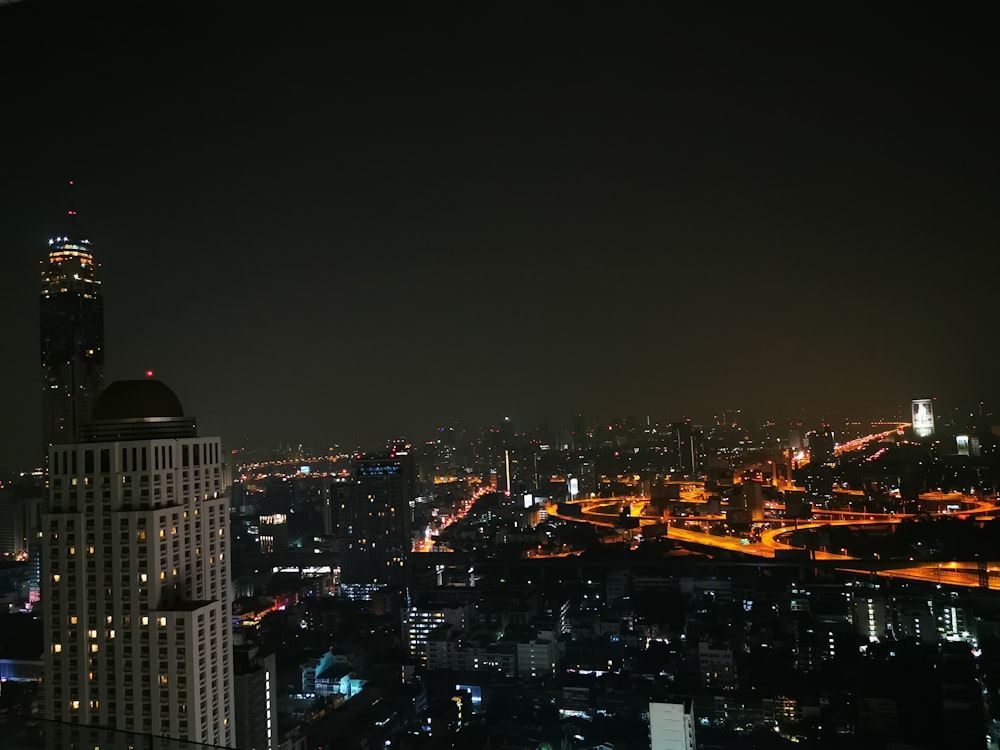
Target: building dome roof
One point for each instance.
(136, 399)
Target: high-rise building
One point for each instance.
(686, 448)
(822, 445)
(135, 573)
(378, 525)
(256, 694)
(72, 336)
(671, 726)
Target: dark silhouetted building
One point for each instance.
(256, 677)
(72, 337)
(378, 525)
(685, 448)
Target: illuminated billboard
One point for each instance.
(962, 444)
(923, 417)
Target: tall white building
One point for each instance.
(671, 726)
(135, 573)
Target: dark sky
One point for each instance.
(338, 221)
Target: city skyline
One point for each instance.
(408, 220)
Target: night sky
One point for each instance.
(332, 225)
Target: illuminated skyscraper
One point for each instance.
(135, 574)
(72, 335)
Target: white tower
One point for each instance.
(671, 726)
(135, 574)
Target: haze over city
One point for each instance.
(340, 225)
(498, 376)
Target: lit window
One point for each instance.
(72, 620)
(162, 621)
(56, 648)
(75, 705)
(143, 577)
(55, 578)
(145, 620)
(94, 648)
(91, 633)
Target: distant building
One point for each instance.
(72, 336)
(871, 617)
(821, 445)
(426, 616)
(748, 505)
(13, 525)
(273, 532)
(450, 649)
(329, 675)
(685, 448)
(537, 658)
(922, 410)
(377, 523)
(717, 666)
(335, 494)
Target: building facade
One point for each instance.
(135, 573)
(377, 527)
(256, 699)
(671, 726)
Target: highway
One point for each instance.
(605, 512)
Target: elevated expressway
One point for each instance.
(607, 513)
